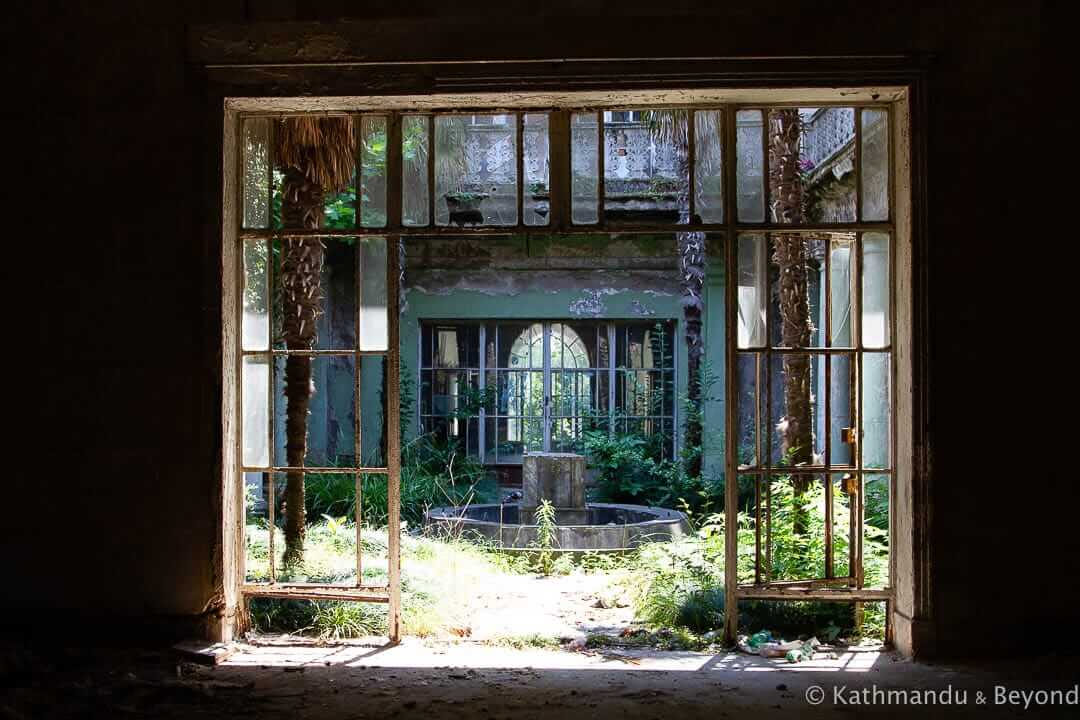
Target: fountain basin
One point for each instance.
(599, 526)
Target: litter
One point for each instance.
(766, 645)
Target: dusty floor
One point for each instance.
(566, 606)
(468, 680)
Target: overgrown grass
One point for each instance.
(439, 578)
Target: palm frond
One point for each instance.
(321, 148)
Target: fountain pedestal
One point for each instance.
(558, 478)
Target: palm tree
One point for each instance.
(317, 157)
(671, 127)
(790, 255)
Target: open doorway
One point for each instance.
(679, 310)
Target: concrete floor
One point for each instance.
(468, 680)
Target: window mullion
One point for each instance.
(547, 387)
(481, 423)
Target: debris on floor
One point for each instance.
(766, 645)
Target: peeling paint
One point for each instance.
(591, 304)
(640, 309)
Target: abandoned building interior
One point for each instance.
(513, 362)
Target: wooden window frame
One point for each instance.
(910, 608)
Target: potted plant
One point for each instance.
(464, 206)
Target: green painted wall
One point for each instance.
(714, 330)
(610, 304)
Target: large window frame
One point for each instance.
(897, 224)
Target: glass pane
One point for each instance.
(584, 166)
(314, 293)
(875, 291)
(749, 166)
(752, 268)
(520, 393)
(573, 345)
(841, 409)
(373, 178)
(797, 526)
(842, 289)
(255, 386)
(645, 168)
(425, 391)
(374, 328)
(327, 546)
(646, 346)
(875, 165)
(256, 151)
(750, 403)
(841, 525)
(455, 346)
(798, 294)
(573, 393)
(537, 163)
(876, 530)
(475, 170)
(798, 428)
(255, 324)
(414, 170)
(521, 345)
(257, 527)
(373, 410)
(751, 533)
(877, 410)
(708, 168)
(811, 164)
(516, 435)
(320, 394)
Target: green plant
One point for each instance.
(545, 535)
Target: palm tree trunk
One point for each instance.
(301, 286)
(692, 262)
(793, 301)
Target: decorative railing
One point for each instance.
(826, 132)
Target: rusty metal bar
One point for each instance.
(731, 482)
(858, 165)
(321, 470)
(393, 431)
(591, 229)
(691, 163)
(519, 142)
(575, 107)
(316, 593)
(829, 569)
(394, 161)
(754, 593)
(817, 350)
(282, 352)
(560, 179)
(601, 152)
(431, 171)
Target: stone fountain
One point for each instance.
(559, 478)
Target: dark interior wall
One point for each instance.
(113, 311)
